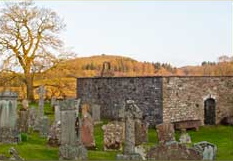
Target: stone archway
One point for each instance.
(209, 111)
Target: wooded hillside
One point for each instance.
(60, 80)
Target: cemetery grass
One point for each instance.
(36, 148)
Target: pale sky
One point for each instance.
(176, 32)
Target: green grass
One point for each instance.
(36, 148)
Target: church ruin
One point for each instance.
(162, 99)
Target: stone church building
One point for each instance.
(162, 99)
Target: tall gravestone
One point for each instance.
(131, 114)
(41, 92)
(8, 117)
(40, 115)
(57, 113)
(71, 148)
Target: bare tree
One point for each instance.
(29, 40)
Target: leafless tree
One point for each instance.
(29, 40)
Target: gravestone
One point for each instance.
(41, 91)
(23, 120)
(53, 101)
(57, 113)
(40, 114)
(44, 126)
(87, 128)
(173, 151)
(71, 148)
(32, 117)
(208, 150)
(95, 111)
(168, 148)
(132, 113)
(54, 135)
(141, 132)
(166, 133)
(113, 135)
(185, 137)
(25, 104)
(8, 117)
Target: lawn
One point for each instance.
(36, 148)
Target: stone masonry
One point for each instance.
(162, 99)
(111, 92)
(184, 97)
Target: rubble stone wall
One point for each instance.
(184, 97)
(111, 92)
(162, 99)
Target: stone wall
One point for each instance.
(162, 99)
(184, 97)
(111, 93)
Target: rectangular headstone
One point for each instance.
(41, 92)
(8, 117)
(95, 112)
(68, 118)
(57, 113)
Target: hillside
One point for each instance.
(60, 80)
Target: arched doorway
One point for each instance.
(209, 111)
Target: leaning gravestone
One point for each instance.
(8, 117)
(70, 148)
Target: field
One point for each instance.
(36, 148)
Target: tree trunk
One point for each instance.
(29, 86)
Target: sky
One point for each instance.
(177, 32)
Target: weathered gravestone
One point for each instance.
(185, 137)
(113, 135)
(95, 112)
(131, 114)
(40, 115)
(41, 91)
(71, 148)
(8, 117)
(44, 126)
(141, 132)
(53, 101)
(87, 128)
(169, 148)
(208, 150)
(23, 120)
(166, 133)
(57, 113)
(25, 104)
(32, 117)
(54, 135)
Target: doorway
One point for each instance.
(209, 111)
